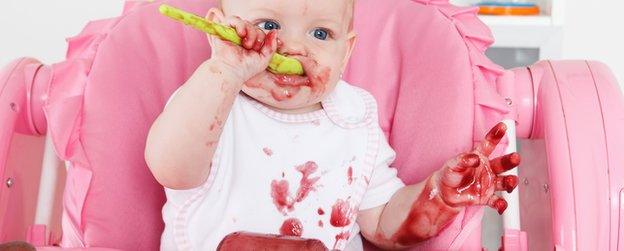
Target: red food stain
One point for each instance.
(284, 93)
(341, 214)
(320, 223)
(510, 183)
(320, 211)
(239, 53)
(500, 206)
(350, 175)
(269, 40)
(217, 122)
(318, 82)
(279, 189)
(427, 217)
(292, 227)
(279, 192)
(268, 151)
(253, 84)
(306, 183)
(289, 86)
(291, 80)
(341, 236)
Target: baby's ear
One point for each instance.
(351, 39)
(215, 15)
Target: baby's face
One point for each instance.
(319, 30)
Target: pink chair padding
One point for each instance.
(424, 62)
(434, 85)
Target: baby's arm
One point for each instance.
(182, 141)
(419, 212)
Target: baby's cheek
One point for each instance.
(320, 81)
(327, 75)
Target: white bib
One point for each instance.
(305, 174)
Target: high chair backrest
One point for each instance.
(423, 61)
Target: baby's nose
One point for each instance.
(291, 47)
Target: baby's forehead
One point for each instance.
(339, 9)
(349, 2)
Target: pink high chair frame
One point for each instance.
(567, 116)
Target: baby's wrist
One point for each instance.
(230, 73)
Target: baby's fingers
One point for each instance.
(506, 183)
(497, 203)
(238, 24)
(492, 139)
(260, 40)
(269, 45)
(466, 161)
(505, 163)
(234, 22)
(252, 37)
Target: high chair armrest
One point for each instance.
(572, 173)
(23, 87)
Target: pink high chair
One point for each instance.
(424, 62)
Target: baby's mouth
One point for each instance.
(290, 80)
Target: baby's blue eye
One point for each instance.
(269, 25)
(320, 34)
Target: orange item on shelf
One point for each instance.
(509, 10)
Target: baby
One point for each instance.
(239, 148)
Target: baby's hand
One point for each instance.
(254, 54)
(472, 178)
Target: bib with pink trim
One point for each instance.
(293, 174)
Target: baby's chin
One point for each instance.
(289, 105)
(290, 93)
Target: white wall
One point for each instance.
(594, 29)
(38, 28)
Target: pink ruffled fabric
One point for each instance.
(491, 107)
(436, 89)
(98, 116)
(64, 111)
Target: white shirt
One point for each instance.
(313, 171)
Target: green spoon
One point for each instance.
(279, 64)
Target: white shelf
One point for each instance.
(543, 32)
(541, 20)
(539, 32)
